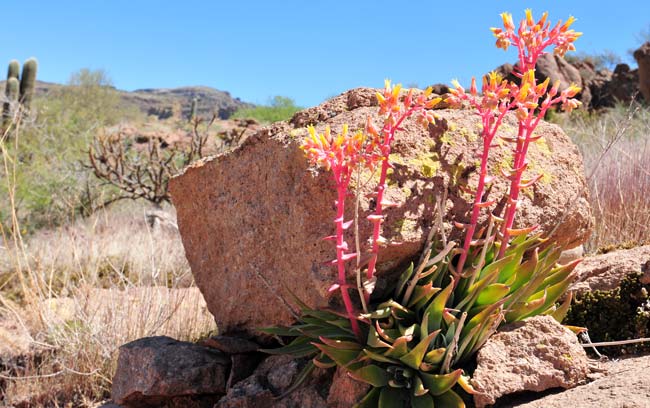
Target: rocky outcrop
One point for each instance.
(620, 388)
(642, 57)
(558, 69)
(605, 272)
(155, 371)
(252, 220)
(534, 355)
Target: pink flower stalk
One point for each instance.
(395, 112)
(531, 39)
(500, 96)
(339, 154)
(492, 107)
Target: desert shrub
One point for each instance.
(50, 182)
(615, 145)
(280, 108)
(619, 314)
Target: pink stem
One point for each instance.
(341, 188)
(389, 133)
(523, 141)
(476, 210)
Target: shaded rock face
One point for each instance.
(605, 272)
(534, 355)
(252, 220)
(273, 378)
(642, 57)
(158, 370)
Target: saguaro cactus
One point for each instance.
(14, 69)
(27, 82)
(193, 108)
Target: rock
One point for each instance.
(558, 68)
(271, 379)
(571, 255)
(624, 85)
(252, 220)
(155, 370)
(533, 355)
(642, 57)
(627, 385)
(231, 345)
(345, 391)
(605, 272)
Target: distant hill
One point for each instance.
(160, 102)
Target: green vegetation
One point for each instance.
(280, 108)
(51, 185)
(620, 314)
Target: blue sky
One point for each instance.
(307, 50)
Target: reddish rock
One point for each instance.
(159, 370)
(605, 272)
(642, 57)
(627, 385)
(534, 355)
(345, 391)
(252, 220)
(559, 69)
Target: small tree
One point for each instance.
(144, 173)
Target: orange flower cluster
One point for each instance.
(531, 38)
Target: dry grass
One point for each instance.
(616, 150)
(87, 289)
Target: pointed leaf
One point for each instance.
(414, 358)
(424, 401)
(439, 384)
(399, 349)
(435, 356)
(390, 398)
(418, 387)
(437, 306)
(371, 374)
(371, 400)
(341, 357)
(380, 357)
(449, 400)
(403, 280)
(492, 293)
(560, 313)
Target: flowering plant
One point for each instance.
(412, 346)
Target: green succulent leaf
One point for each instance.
(300, 347)
(560, 313)
(449, 400)
(371, 400)
(492, 293)
(340, 356)
(435, 356)
(439, 384)
(323, 361)
(371, 374)
(424, 401)
(280, 331)
(414, 358)
(341, 344)
(380, 357)
(391, 398)
(422, 294)
(418, 387)
(374, 340)
(403, 280)
(399, 348)
(437, 306)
